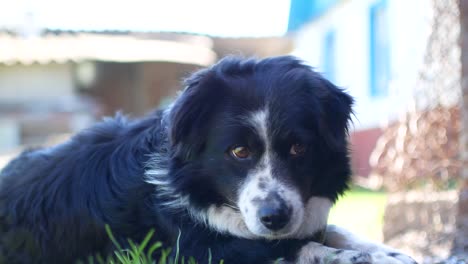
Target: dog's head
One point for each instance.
(259, 147)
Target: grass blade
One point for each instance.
(112, 238)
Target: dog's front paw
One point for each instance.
(391, 258)
(347, 257)
(357, 257)
(340, 238)
(315, 253)
(342, 256)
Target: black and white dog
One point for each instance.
(243, 167)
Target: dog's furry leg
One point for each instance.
(343, 247)
(340, 238)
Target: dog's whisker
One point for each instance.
(231, 206)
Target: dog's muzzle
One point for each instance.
(273, 212)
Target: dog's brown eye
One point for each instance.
(297, 149)
(240, 152)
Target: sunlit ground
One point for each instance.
(360, 211)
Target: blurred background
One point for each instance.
(66, 64)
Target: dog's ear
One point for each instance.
(191, 113)
(336, 115)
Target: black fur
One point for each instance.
(54, 202)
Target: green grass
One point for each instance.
(142, 253)
(360, 211)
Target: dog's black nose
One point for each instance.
(273, 217)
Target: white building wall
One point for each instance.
(35, 86)
(350, 19)
(20, 83)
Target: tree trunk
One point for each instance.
(460, 245)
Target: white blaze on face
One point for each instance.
(260, 182)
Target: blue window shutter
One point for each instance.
(328, 57)
(303, 11)
(299, 13)
(379, 50)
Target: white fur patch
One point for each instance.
(157, 175)
(259, 121)
(316, 216)
(224, 219)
